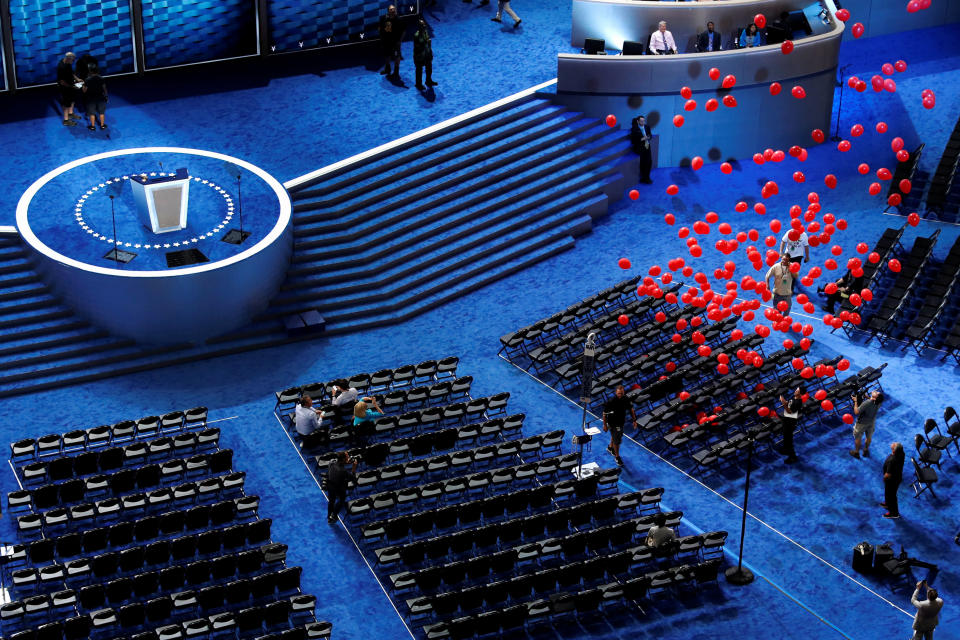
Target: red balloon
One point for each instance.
(843, 15)
(884, 174)
(857, 29)
(894, 265)
(900, 66)
(729, 81)
(874, 188)
(890, 85)
(712, 104)
(689, 105)
(686, 92)
(673, 190)
(729, 101)
(714, 73)
(843, 146)
(847, 418)
(806, 373)
(862, 247)
(786, 47)
(817, 135)
(634, 194)
(798, 176)
(874, 257)
(826, 405)
(798, 91)
(678, 120)
(760, 20)
(903, 155)
(864, 168)
(611, 120)
(669, 219)
(913, 219)
(881, 127)
(726, 168)
(866, 295)
(843, 364)
(624, 263)
(856, 130)
(887, 69)
(821, 393)
(775, 88)
(896, 144)
(696, 163)
(830, 180)
(740, 207)
(623, 320)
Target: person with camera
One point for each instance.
(866, 412)
(791, 415)
(339, 477)
(365, 413)
(928, 611)
(614, 415)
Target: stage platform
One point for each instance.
(159, 288)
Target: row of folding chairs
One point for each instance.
(80, 627)
(459, 462)
(418, 497)
(385, 379)
(402, 530)
(560, 607)
(508, 533)
(107, 435)
(131, 455)
(118, 483)
(158, 610)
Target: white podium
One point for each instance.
(162, 200)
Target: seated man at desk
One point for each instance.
(661, 40)
(709, 40)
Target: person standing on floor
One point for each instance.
(614, 415)
(95, 97)
(892, 477)
(423, 54)
(780, 282)
(866, 413)
(339, 478)
(791, 415)
(640, 137)
(66, 82)
(391, 34)
(504, 5)
(928, 612)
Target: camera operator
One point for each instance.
(866, 412)
(339, 478)
(928, 611)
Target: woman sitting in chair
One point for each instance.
(750, 37)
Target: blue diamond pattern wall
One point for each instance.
(305, 24)
(186, 31)
(43, 30)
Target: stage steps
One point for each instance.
(378, 239)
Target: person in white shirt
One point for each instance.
(659, 533)
(798, 250)
(343, 396)
(306, 418)
(661, 41)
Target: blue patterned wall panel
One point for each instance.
(43, 30)
(305, 24)
(186, 31)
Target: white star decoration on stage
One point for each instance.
(78, 213)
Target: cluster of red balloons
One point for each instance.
(918, 5)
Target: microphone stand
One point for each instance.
(240, 208)
(740, 575)
(113, 216)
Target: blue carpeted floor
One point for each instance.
(291, 123)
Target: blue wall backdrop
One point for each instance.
(43, 30)
(185, 31)
(305, 24)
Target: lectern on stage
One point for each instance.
(162, 200)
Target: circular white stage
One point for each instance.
(80, 221)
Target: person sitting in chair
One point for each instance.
(751, 37)
(660, 533)
(306, 418)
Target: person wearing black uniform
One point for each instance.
(640, 141)
(423, 54)
(791, 415)
(391, 33)
(68, 92)
(83, 65)
(338, 479)
(614, 415)
(892, 477)
(846, 286)
(95, 97)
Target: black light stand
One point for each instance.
(236, 236)
(115, 254)
(586, 386)
(836, 134)
(740, 575)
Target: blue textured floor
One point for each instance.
(826, 504)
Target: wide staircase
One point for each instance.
(379, 239)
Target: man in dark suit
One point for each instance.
(640, 137)
(709, 40)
